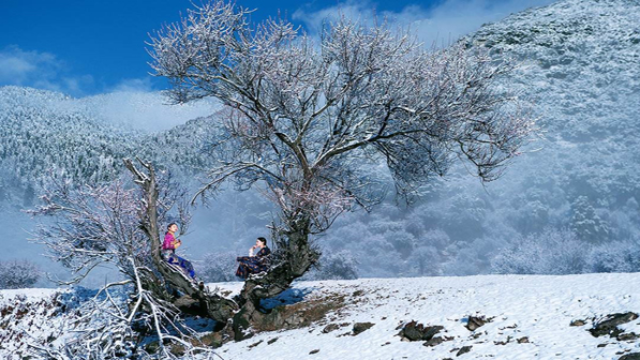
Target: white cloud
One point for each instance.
(134, 85)
(40, 70)
(439, 25)
(18, 66)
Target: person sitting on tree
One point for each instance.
(254, 264)
(169, 247)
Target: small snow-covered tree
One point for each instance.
(336, 266)
(553, 251)
(306, 122)
(18, 274)
(615, 256)
(120, 224)
(218, 267)
(586, 222)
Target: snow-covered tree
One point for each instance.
(336, 266)
(120, 224)
(586, 222)
(18, 274)
(553, 251)
(306, 121)
(218, 267)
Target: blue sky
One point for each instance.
(98, 46)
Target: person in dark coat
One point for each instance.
(254, 264)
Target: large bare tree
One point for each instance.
(308, 121)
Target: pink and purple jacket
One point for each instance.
(169, 242)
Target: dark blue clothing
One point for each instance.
(185, 265)
(253, 264)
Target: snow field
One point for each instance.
(539, 308)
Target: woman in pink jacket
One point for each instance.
(169, 247)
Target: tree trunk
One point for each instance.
(297, 258)
(196, 300)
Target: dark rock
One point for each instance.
(152, 347)
(628, 336)
(503, 342)
(360, 327)
(177, 350)
(632, 356)
(578, 323)
(474, 322)
(314, 351)
(602, 345)
(413, 331)
(608, 325)
(272, 341)
(523, 340)
(255, 344)
(464, 350)
(437, 340)
(188, 305)
(331, 327)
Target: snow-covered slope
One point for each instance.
(579, 68)
(45, 135)
(529, 318)
(538, 308)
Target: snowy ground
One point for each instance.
(539, 308)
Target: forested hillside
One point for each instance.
(568, 204)
(46, 135)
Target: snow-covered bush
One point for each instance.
(618, 256)
(217, 267)
(427, 255)
(336, 266)
(553, 251)
(18, 274)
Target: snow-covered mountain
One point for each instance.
(506, 317)
(579, 68)
(570, 204)
(44, 134)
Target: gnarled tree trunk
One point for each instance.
(195, 300)
(297, 256)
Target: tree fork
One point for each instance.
(212, 306)
(298, 258)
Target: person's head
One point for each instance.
(172, 228)
(261, 242)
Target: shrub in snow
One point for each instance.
(551, 252)
(425, 260)
(586, 222)
(618, 256)
(18, 274)
(341, 265)
(218, 267)
(469, 258)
